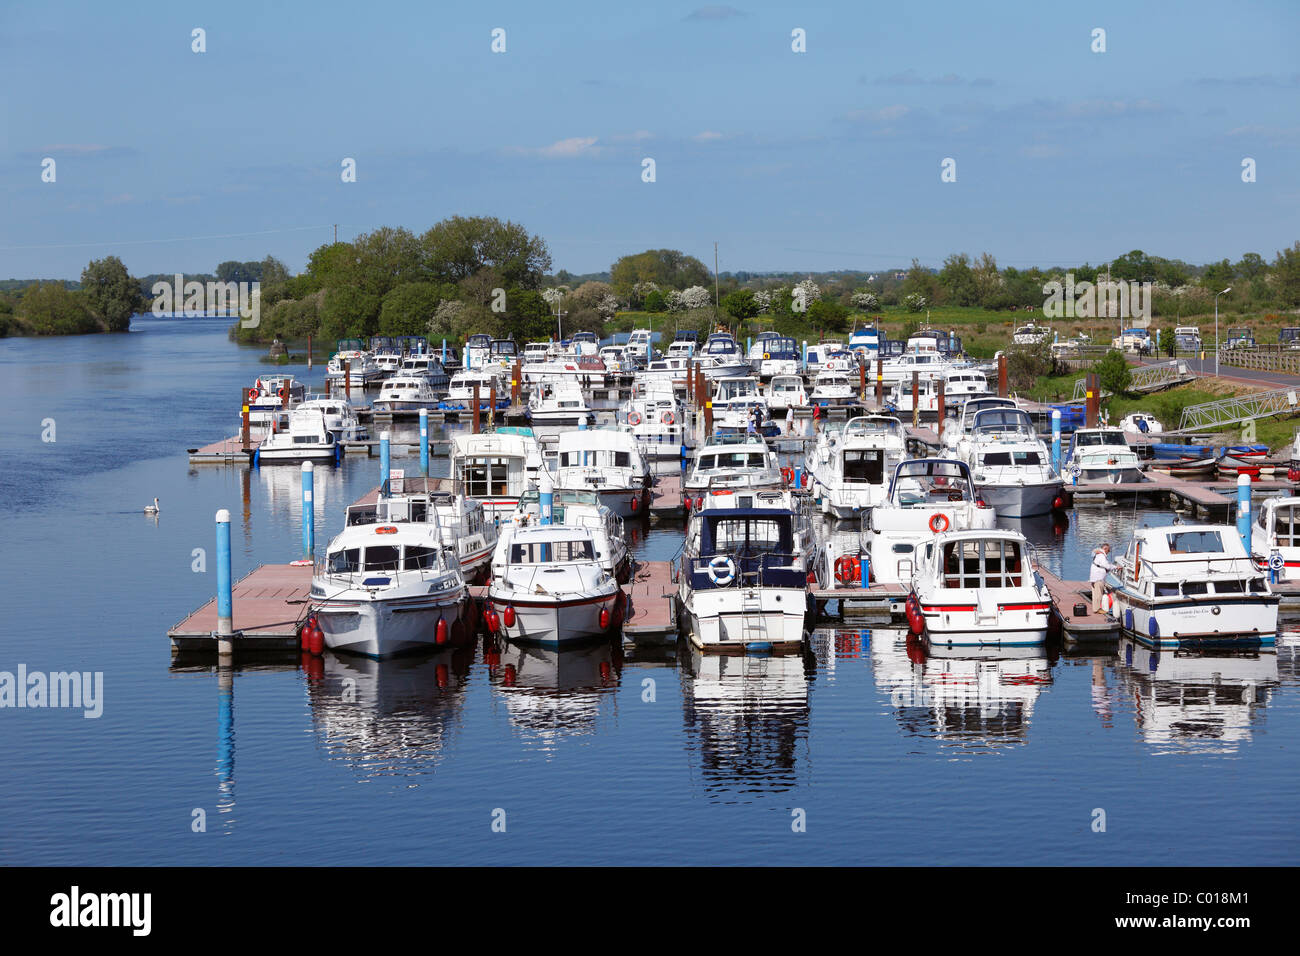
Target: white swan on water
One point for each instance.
(151, 509)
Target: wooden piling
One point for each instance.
(514, 383)
(347, 379)
(940, 405)
(880, 383)
(476, 411)
(1002, 376)
(243, 427)
(916, 398)
(1092, 400)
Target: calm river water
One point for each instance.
(594, 756)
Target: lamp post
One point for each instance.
(559, 327)
(1216, 328)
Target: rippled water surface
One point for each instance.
(592, 756)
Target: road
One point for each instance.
(1230, 373)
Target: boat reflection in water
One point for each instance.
(1204, 701)
(746, 716)
(387, 718)
(551, 693)
(975, 699)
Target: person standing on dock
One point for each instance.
(789, 419)
(1101, 565)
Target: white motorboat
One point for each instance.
(496, 468)
(305, 439)
(352, 364)
(388, 589)
(548, 587)
(657, 420)
(829, 356)
(850, 466)
(460, 520)
(1192, 584)
(960, 426)
(746, 565)
(1140, 423)
(672, 372)
(786, 391)
(1101, 456)
(721, 357)
(834, 387)
(460, 392)
(1275, 537)
(773, 355)
(559, 403)
(980, 589)
(1031, 334)
(640, 346)
(270, 397)
(746, 463)
(960, 384)
(477, 349)
(340, 418)
(579, 509)
(609, 463)
(425, 365)
(1011, 464)
(405, 395)
(926, 497)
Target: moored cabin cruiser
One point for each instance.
(834, 356)
(832, 387)
(960, 384)
(305, 439)
(388, 589)
(1101, 456)
(640, 346)
(405, 395)
(559, 403)
(657, 420)
(743, 463)
(1011, 465)
(926, 497)
(271, 396)
(496, 468)
(1031, 334)
(584, 343)
(460, 393)
(460, 521)
(980, 588)
(426, 366)
(548, 587)
(340, 418)
(1275, 537)
(503, 355)
(721, 357)
(779, 356)
(579, 509)
(352, 363)
(671, 372)
(1140, 423)
(955, 431)
(867, 341)
(477, 349)
(746, 565)
(786, 391)
(607, 462)
(850, 466)
(1192, 584)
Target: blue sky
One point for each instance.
(828, 159)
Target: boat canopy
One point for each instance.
(920, 481)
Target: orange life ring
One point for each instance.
(668, 418)
(787, 475)
(252, 394)
(634, 418)
(848, 568)
(939, 523)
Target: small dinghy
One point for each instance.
(1201, 468)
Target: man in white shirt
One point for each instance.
(1101, 564)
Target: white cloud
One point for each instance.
(564, 148)
(706, 136)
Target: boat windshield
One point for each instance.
(994, 421)
(1086, 439)
(1195, 542)
(927, 482)
(732, 461)
(982, 563)
(545, 552)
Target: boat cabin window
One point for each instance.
(418, 558)
(748, 535)
(1085, 439)
(345, 561)
(1195, 542)
(864, 466)
(485, 477)
(1224, 586)
(994, 458)
(1286, 525)
(1166, 589)
(1195, 587)
(982, 564)
(543, 552)
(382, 557)
(730, 461)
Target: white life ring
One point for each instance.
(722, 570)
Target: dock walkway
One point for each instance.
(269, 605)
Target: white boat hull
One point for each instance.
(384, 628)
(1021, 501)
(1248, 620)
(718, 620)
(554, 623)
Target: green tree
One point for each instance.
(830, 316)
(957, 281)
(1286, 273)
(1251, 265)
(1133, 265)
(110, 293)
(921, 281)
(667, 268)
(740, 304)
(460, 246)
(51, 308)
(654, 302)
(1113, 371)
(348, 313)
(407, 309)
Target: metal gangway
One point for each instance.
(1147, 378)
(1229, 411)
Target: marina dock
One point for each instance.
(1078, 628)
(270, 604)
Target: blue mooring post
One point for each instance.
(798, 476)
(1243, 510)
(1056, 440)
(804, 364)
(546, 495)
(444, 351)
(225, 599)
(424, 442)
(308, 511)
(866, 570)
(384, 463)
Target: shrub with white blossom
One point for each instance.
(696, 297)
(913, 302)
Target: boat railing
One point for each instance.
(748, 570)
